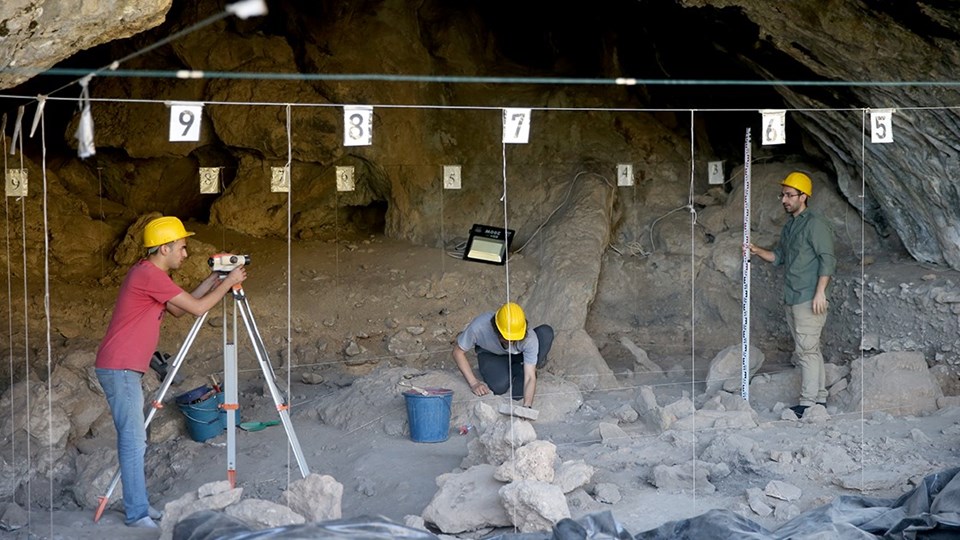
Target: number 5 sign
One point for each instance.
(881, 126)
(185, 121)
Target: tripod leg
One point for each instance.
(230, 405)
(157, 404)
(282, 408)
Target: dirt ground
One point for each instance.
(363, 291)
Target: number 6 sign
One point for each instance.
(185, 121)
(774, 127)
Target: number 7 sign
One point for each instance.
(516, 126)
(185, 121)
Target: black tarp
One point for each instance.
(931, 511)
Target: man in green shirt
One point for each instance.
(806, 252)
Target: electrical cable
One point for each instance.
(479, 107)
(562, 203)
(111, 70)
(112, 66)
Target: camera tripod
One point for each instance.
(230, 404)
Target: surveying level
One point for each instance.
(230, 404)
(225, 262)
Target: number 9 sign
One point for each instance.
(185, 121)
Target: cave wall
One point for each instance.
(910, 185)
(908, 192)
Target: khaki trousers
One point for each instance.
(806, 326)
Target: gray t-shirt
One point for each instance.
(480, 332)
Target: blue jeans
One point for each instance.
(495, 370)
(125, 397)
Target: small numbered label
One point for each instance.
(209, 180)
(774, 127)
(279, 180)
(451, 177)
(185, 121)
(358, 126)
(516, 126)
(625, 174)
(881, 126)
(715, 172)
(345, 180)
(16, 182)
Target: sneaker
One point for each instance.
(146, 522)
(822, 404)
(544, 362)
(799, 410)
(154, 514)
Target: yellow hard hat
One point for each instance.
(511, 322)
(799, 182)
(162, 230)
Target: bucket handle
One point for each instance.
(194, 420)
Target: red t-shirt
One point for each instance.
(134, 329)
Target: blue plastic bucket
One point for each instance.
(203, 416)
(429, 415)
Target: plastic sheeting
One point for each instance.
(931, 511)
(211, 525)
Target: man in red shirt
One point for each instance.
(132, 336)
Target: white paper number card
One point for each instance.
(881, 126)
(358, 125)
(624, 174)
(209, 180)
(516, 126)
(451, 177)
(185, 121)
(774, 127)
(345, 180)
(715, 175)
(16, 183)
(279, 180)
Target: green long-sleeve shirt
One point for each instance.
(806, 252)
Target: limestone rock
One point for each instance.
(533, 505)
(467, 501)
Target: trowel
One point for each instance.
(416, 389)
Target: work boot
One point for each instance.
(799, 410)
(144, 523)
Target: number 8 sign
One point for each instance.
(185, 121)
(358, 125)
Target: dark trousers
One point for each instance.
(497, 369)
